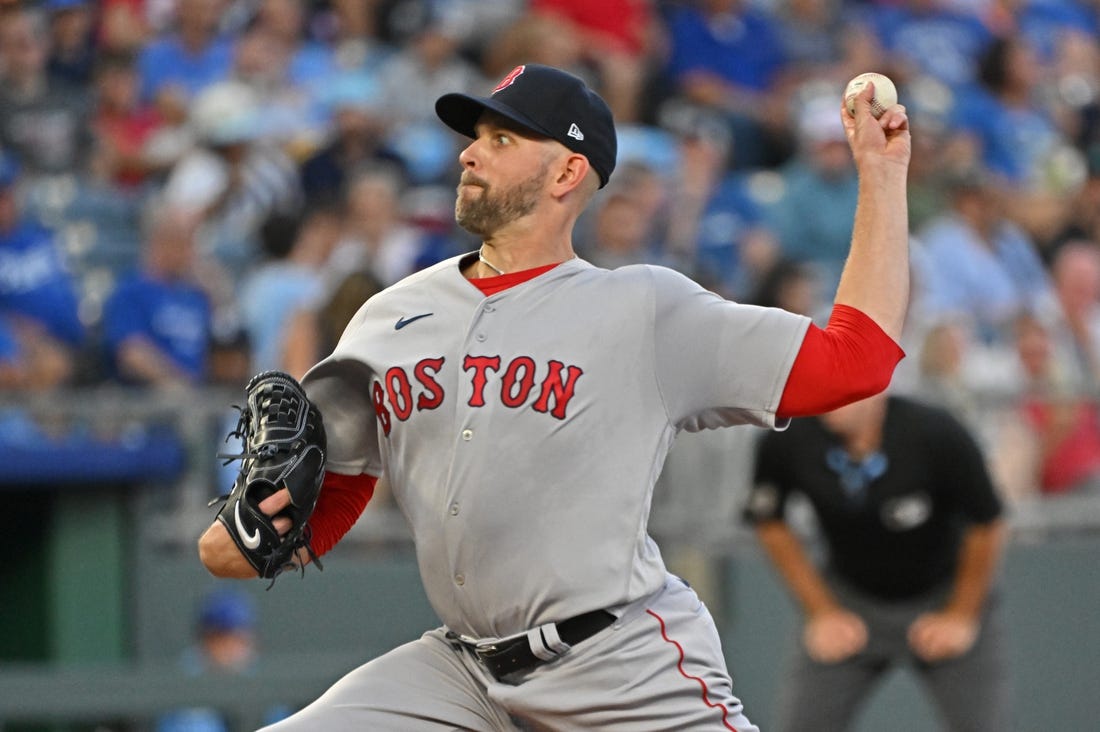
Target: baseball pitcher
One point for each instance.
(520, 402)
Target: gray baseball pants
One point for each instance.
(971, 692)
(658, 668)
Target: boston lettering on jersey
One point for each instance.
(548, 389)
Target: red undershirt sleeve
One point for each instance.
(851, 359)
(341, 503)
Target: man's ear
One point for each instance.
(571, 172)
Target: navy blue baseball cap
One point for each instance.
(548, 102)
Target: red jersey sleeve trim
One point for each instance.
(852, 358)
(339, 506)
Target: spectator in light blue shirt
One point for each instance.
(976, 264)
(289, 280)
(812, 216)
(175, 67)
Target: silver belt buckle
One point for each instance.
(485, 649)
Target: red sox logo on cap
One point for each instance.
(547, 101)
(509, 79)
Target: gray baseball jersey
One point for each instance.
(522, 433)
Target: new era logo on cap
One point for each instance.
(548, 102)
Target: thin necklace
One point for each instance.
(481, 258)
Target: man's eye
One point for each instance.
(502, 139)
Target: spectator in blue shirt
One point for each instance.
(38, 294)
(157, 322)
(1015, 135)
(1046, 24)
(175, 67)
(727, 56)
(310, 62)
(932, 38)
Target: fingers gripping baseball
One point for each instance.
(884, 138)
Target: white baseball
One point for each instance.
(886, 94)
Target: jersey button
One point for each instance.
(480, 337)
(489, 308)
(467, 434)
(454, 509)
(460, 579)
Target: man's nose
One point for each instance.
(468, 156)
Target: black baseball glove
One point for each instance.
(284, 447)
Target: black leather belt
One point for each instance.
(515, 654)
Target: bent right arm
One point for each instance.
(855, 355)
(831, 633)
(875, 279)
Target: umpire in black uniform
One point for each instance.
(913, 533)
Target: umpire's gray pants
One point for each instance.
(971, 692)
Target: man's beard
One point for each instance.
(488, 212)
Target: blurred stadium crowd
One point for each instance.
(192, 191)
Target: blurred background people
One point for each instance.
(314, 329)
(1053, 445)
(38, 293)
(357, 137)
(376, 235)
(974, 263)
(225, 642)
(72, 42)
(43, 120)
(726, 55)
(818, 188)
(157, 323)
(296, 250)
(933, 38)
(129, 145)
(186, 58)
(620, 40)
(234, 176)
